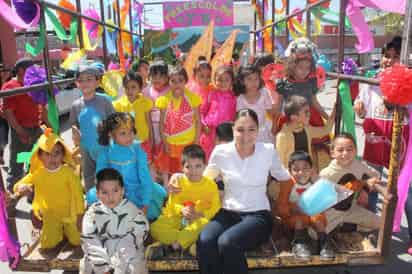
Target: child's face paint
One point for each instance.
(193, 169)
(110, 193)
(123, 136)
(54, 159)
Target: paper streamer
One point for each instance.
(348, 115)
(74, 60)
(9, 247)
(34, 51)
(13, 19)
(59, 28)
(403, 184)
(360, 27)
(320, 12)
(112, 82)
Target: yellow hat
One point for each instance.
(46, 142)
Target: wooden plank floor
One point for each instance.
(353, 248)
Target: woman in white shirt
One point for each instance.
(244, 222)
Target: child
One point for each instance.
(141, 67)
(201, 82)
(159, 76)
(85, 115)
(58, 195)
(301, 169)
(224, 133)
(297, 133)
(139, 106)
(219, 108)
(346, 170)
(113, 230)
(300, 80)
(188, 211)
(122, 152)
(248, 88)
(179, 122)
(378, 124)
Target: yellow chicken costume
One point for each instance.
(58, 195)
(204, 195)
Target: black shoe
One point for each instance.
(327, 252)
(155, 251)
(301, 251)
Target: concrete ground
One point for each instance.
(398, 262)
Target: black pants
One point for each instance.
(222, 243)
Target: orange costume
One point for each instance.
(289, 195)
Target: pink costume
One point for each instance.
(203, 92)
(9, 248)
(152, 93)
(220, 107)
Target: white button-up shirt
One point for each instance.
(246, 179)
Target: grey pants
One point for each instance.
(16, 170)
(88, 170)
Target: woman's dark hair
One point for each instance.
(225, 69)
(133, 76)
(193, 152)
(114, 121)
(108, 174)
(395, 44)
(343, 135)
(179, 70)
(137, 64)
(264, 59)
(247, 112)
(224, 132)
(159, 67)
(299, 156)
(239, 86)
(294, 105)
(201, 63)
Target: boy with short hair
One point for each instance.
(297, 134)
(113, 230)
(301, 169)
(86, 113)
(355, 175)
(24, 117)
(188, 211)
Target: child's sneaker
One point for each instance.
(155, 251)
(301, 251)
(327, 252)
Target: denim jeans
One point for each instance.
(223, 242)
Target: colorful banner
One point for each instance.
(203, 47)
(197, 13)
(223, 55)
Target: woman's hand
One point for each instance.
(24, 190)
(359, 108)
